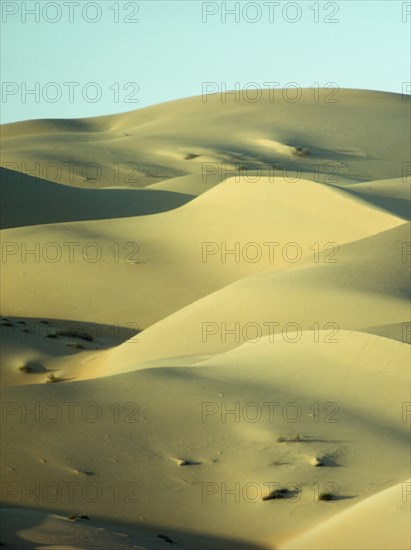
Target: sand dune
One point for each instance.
(196, 261)
(390, 195)
(177, 416)
(382, 516)
(364, 136)
(66, 204)
(205, 326)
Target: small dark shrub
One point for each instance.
(325, 496)
(75, 334)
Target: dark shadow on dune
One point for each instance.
(65, 337)
(335, 498)
(33, 367)
(172, 538)
(398, 207)
(302, 149)
(27, 200)
(329, 461)
(290, 440)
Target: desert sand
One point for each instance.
(205, 326)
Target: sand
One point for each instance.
(203, 303)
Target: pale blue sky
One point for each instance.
(171, 50)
